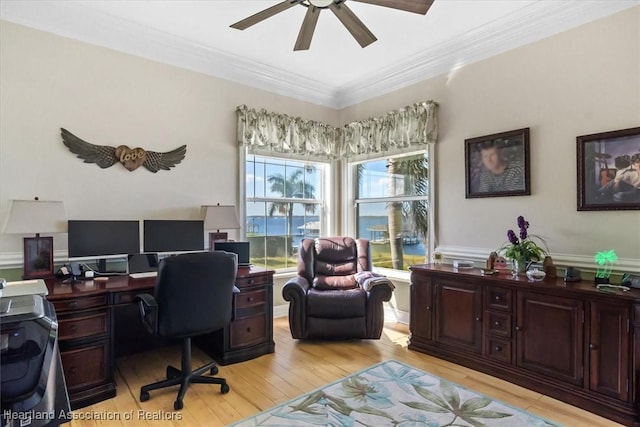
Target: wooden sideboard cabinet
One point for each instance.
(566, 340)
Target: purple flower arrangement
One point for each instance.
(521, 247)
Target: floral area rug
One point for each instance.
(392, 393)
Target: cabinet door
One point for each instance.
(549, 336)
(609, 350)
(458, 315)
(421, 308)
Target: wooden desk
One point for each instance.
(98, 322)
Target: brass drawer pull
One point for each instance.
(73, 328)
(498, 348)
(497, 323)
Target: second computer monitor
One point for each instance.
(173, 236)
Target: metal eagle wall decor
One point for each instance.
(131, 158)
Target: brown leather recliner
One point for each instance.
(332, 298)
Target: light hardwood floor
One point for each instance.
(295, 368)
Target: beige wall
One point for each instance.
(583, 81)
(106, 97)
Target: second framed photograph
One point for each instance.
(497, 165)
(609, 170)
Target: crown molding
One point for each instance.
(532, 23)
(78, 22)
(527, 25)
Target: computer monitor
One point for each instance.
(239, 248)
(173, 236)
(101, 240)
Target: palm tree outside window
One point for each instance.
(284, 204)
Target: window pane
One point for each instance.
(403, 176)
(275, 235)
(378, 221)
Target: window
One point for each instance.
(284, 204)
(392, 209)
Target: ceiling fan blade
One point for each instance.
(415, 6)
(308, 27)
(264, 14)
(351, 22)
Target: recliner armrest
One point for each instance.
(148, 311)
(295, 288)
(295, 291)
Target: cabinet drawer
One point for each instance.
(83, 326)
(498, 324)
(249, 331)
(86, 367)
(128, 297)
(498, 349)
(249, 299)
(80, 303)
(498, 298)
(245, 282)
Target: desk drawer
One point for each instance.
(249, 331)
(498, 349)
(498, 298)
(80, 303)
(249, 299)
(244, 282)
(86, 367)
(128, 297)
(498, 324)
(83, 326)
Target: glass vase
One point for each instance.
(518, 268)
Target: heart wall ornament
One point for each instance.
(131, 158)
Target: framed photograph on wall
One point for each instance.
(38, 257)
(609, 170)
(497, 165)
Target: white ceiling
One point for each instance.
(336, 71)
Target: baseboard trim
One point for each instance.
(281, 310)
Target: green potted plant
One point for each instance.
(521, 249)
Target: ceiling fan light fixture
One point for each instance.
(320, 3)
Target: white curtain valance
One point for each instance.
(411, 126)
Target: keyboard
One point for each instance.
(143, 275)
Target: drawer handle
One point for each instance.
(498, 298)
(518, 328)
(249, 330)
(251, 281)
(593, 346)
(478, 319)
(428, 307)
(497, 323)
(249, 299)
(73, 328)
(73, 304)
(498, 348)
(73, 370)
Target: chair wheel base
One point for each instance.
(144, 396)
(214, 371)
(177, 405)
(224, 388)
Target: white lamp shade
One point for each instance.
(36, 216)
(217, 217)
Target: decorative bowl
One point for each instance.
(536, 275)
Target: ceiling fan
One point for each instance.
(351, 22)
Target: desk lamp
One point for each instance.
(35, 217)
(217, 217)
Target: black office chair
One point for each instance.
(192, 297)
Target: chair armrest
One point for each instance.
(379, 289)
(148, 311)
(295, 291)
